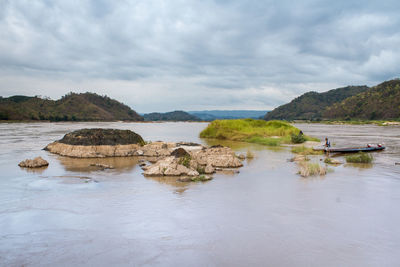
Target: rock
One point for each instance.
(92, 151)
(158, 149)
(242, 157)
(299, 158)
(179, 153)
(222, 157)
(187, 144)
(101, 137)
(332, 161)
(103, 166)
(139, 153)
(34, 163)
(97, 143)
(169, 166)
(209, 169)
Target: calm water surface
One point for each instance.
(71, 215)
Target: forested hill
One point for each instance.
(311, 105)
(177, 115)
(71, 107)
(379, 102)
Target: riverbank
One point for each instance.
(352, 122)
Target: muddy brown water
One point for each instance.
(70, 214)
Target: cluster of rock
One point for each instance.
(37, 162)
(195, 161)
(188, 161)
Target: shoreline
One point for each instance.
(338, 122)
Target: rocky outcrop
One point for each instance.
(101, 137)
(169, 166)
(169, 159)
(193, 164)
(34, 163)
(222, 157)
(97, 143)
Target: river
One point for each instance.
(267, 215)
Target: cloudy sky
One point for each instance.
(157, 55)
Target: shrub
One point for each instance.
(359, 158)
(185, 161)
(310, 169)
(298, 138)
(201, 170)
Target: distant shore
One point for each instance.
(338, 122)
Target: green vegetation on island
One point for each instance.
(177, 115)
(71, 107)
(271, 133)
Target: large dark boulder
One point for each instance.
(97, 137)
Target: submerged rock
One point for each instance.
(102, 166)
(34, 163)
(332, 161)
(97, 143)
(201, 178)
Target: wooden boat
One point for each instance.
(368, 148)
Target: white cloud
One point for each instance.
(163, 55)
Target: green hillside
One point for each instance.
(379, 102)
(71, 107)
(177, 115)
(311, 105)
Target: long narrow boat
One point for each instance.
(352, 149)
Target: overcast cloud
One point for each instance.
(159, 55)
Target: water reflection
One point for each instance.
(120, 164)
(172, 181)
(262, 215)
(34, 170)
(360, 166)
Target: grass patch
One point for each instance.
(270, 133)
(268, 141)
(311, 168)
(185, 161)
(359, 158)
(303, 150)
(201, 170)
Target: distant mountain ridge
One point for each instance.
(209, 115)
(71, 107)
(311, 105)
(379, 102)
(177, 115)
(352, 102)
